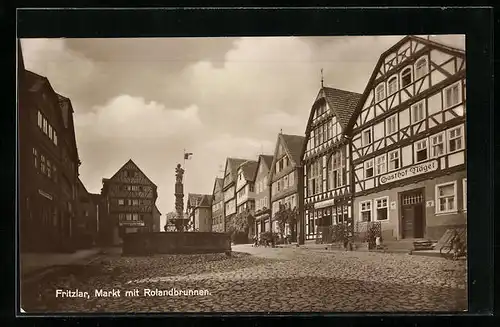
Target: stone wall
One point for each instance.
(176, 242)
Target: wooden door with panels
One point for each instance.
(412, 220)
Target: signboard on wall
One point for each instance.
(132, 223)
(408, 172)
(324, 204)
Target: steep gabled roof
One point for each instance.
(293, 146)
(194, 199)
(218, 182)
(342, 103)
(133, 163)
(249, 168)
(233, 164)
(432, 44)
(199, 200)
(206, 201)
(266, 159)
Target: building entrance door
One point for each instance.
(412, 214)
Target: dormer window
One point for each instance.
(380, 92)
(393, 85)
(421, 68)
(406, 77)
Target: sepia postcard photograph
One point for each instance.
(242, 174)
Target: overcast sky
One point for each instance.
(148, 99)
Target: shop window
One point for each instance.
(382, 208)
(369, 168)
(446, 197)
(421, 150)
(455, 139)
(365, 209)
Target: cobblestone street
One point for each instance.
(259, 280)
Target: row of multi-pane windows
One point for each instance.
(407, 76)
(282, 164)
(418, 112)
(249, 188)
(130, 216)
(284, 183)
(445, 197)
(262, 203)
(47, 167)
(217, 206)
(134, 188)
(336, 173)
(130, 202)
(46, 127)
(261, 185)
(437, 145)
(323, 133)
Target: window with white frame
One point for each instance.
(437, 145)
(455, 139)
(365, 210)
(421, 68)
(406, 77)
(315, 177)
(452, 95)
(335, 170)
(367, 137)
(464, 192)
(40, 120)
(392, 85)
(45, 125)
(391, 125)
(291, 179)
(381, 164)
(446, 195)
(121, 202)
(369, 168)
(394, 160)
(380, 92)
(417, 112)
(382, 208)
(49, 169)
(421, 150)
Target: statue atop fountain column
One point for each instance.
(179, 197)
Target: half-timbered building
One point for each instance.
(408, 142)
(47, 181)
(263, 194)
(286, 180)
(245, 186)
(218, 206)
(129, 198)
(229, 189)
(326, 160)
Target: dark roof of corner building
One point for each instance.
(342, 102)
(234, 163)
(206, 201)
(294, 144)
(249, 168)
(199, 200)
